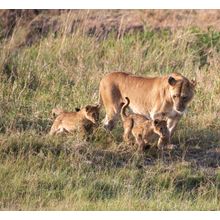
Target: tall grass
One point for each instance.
(38, 172)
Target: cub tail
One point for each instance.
(123, 109)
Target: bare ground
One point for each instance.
(38, 23)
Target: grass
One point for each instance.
(38, 172)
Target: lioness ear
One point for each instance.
(171, 81)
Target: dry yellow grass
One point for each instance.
(66, 173)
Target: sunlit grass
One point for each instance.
(38, 172)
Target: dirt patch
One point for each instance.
(99, 23)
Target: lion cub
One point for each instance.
(82, 120)
(144, 130)
(148, 131)
(58, 111)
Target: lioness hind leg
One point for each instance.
(112, 102)
(111, 118)
(108, 123)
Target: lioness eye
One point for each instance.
(174, 96)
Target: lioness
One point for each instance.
(82, 119)
(143, 129)
(149, 96)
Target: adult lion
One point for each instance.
(149, 96)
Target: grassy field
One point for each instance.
(38, 172)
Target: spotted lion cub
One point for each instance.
(144, 130)
(82, 120)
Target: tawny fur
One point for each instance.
(149, 96)
(145, 131)
(82, 120)
(57, 111)
(129, 121)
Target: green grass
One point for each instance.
(38, 172)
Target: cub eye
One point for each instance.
(184, 97)
(174, 96)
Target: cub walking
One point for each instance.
(144, 130)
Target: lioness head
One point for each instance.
(92, 113)
(160, 128)
(181, 91)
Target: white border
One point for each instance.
(142, 215)
(109, 4)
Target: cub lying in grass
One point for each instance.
(82, 120)
(58, 111)
(144, 130)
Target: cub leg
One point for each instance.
(127, 124)
(138, 134)
(53, 129)
(162, 142)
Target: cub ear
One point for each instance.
(193, 83)
(171, 81)
(88, 107)
(98, 106)
(77, 109)
(156, 121)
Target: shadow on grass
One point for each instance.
(199, 148)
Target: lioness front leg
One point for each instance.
(171, 124)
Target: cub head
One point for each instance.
(160, 128)
(56, 111)
(92, 113)
(181, 91)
